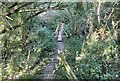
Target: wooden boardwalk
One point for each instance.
(49, 71)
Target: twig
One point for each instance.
(29, 10)
(110, 14)
(8, 23)
(8, 18)
(116, 23)
(56, 29)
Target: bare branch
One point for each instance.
(110, 14)
(44, 10)
(8, 23)
(14, 4)
(8, 18)
(116, 23)
(30, 10)
(17, 9)
(98, 11)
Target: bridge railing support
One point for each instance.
(60, 51)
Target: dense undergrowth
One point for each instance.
(91, 42)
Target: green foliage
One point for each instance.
(26, 41)
(87, 54)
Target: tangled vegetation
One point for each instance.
(91, 39)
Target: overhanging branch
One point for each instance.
(17, 9)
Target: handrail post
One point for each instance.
(60, 53)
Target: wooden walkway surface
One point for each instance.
(49, 71)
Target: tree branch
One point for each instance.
(29, 10)
(30, 17)
(12, 5)
(44, 10)
(98, 11)
(17, 9)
